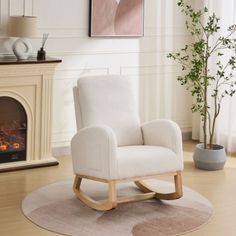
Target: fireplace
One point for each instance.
(13, 131)
(25, 113)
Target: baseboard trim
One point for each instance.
(186, 135)
(61, 151)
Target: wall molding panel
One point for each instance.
(17, 7)
(143, 59)
(1, 15)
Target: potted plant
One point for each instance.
(204, 83)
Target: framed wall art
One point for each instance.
(116, 18)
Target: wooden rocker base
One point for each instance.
(112, 201)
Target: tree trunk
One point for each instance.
(205, 114)
(205, 94)
(217, 111)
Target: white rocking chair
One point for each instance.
(111, 145)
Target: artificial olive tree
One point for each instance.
(195, 59)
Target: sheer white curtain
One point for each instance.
(226, 123)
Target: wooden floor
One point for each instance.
(218, 186)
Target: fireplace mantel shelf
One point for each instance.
(30, 82)
(32, 60)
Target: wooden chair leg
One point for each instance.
(102, 205)
(112, 201)
(112, 193)
(165, 196)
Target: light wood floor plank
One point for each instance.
(219, 187)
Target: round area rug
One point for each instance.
(55, 208)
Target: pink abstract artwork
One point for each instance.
(116, 17)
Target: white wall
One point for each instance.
(144, 59)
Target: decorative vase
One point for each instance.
(22, 49)
(209, 159)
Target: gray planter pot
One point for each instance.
(209, 159)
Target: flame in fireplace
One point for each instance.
(12, 136)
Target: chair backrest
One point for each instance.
(109, 100)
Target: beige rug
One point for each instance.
(55, 208)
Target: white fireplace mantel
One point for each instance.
(30, 83)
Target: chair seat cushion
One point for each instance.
(143, 160)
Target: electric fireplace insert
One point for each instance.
(13, 130)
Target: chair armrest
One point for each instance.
(165, 133)
(94, 151)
